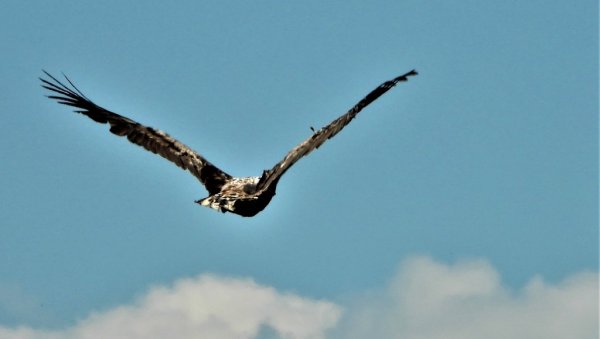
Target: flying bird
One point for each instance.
(245, 196)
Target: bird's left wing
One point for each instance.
(151, 139)
(318, 138)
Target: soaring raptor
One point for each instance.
(244, 196)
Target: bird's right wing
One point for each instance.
(151, 139)
(318, 138)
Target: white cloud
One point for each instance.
(424, 300)
(430, 300)
(204, 307)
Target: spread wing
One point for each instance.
(318, 138)
(151, 139)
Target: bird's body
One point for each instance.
(241, 196)
(245, 196)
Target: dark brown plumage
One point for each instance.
(243, 196)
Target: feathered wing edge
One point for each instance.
(318, 138)
(151, 139)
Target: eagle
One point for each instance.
(245, 196)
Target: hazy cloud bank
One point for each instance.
(424, 300)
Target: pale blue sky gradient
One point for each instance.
(491, 152)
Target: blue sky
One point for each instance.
(489, 155)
